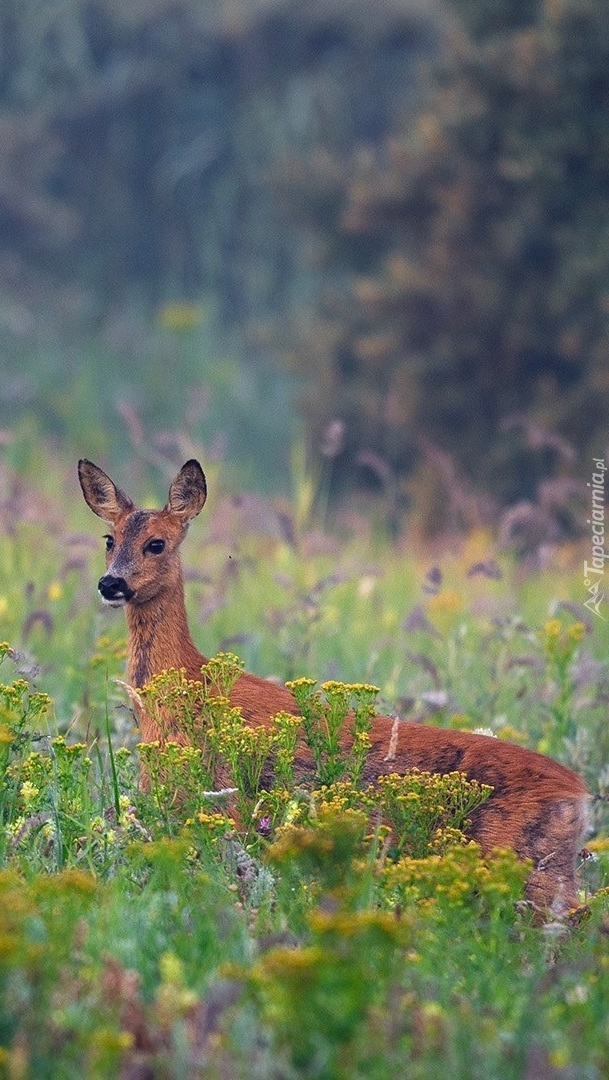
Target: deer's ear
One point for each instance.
(101, 493)
(188, 492)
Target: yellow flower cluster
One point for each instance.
(444, 608)
(172, 995)
(19, 704)
(559, 640)
(107, 651)
(349, 924)
(462, 877)
(221, 672)
(214, 823)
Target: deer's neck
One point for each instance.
(159, 638)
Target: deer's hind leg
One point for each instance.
(553, 840)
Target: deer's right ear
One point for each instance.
(101, 493)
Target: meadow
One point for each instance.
(145, 936)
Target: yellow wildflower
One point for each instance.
(183, 316)
(104, 1040)
(559, 1058)
(444, 608)
(171, 969)
(552, 629)
(303, 681)
(55, 591)
(29, 792)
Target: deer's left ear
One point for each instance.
(188, 492)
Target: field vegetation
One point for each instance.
(385, 222)
(146, 935)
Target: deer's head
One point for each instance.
(142, 558)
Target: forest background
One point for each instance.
(382, 226)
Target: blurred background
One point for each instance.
(367, 236)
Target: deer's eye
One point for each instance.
(109, 542)
(154, 547)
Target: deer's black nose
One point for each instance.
(114, 590)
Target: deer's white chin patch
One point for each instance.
(119, 601)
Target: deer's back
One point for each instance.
(513, 772)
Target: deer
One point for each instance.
(538, 807)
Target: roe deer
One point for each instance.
(538, 807)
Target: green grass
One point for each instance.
(137, 933)
(177, 387)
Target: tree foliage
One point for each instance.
(471, 318)
(138, 141)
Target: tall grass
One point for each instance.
(138, 932)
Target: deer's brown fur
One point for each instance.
(538, 807)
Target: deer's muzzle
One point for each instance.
(114, 590)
